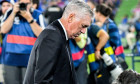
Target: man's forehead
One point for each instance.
(28, 1)
(87, 21)
(5, 2)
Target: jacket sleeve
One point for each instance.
(115, 40)
(6, 15)
(47, 54)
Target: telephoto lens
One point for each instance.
(22, 6)
(115, 70)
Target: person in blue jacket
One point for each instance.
(5, 5)
(113, 47)
(21, 26)
(79, 57)
(101, 15)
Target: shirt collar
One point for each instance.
(63, 29)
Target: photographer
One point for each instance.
(112, 48)
(5, 5)
(22, 25)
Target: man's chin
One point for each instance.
(73, 37)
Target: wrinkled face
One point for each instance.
(78, 26)
(26, 2)
(5, 6)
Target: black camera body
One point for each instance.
(23, 6)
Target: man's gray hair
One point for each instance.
(78, 7)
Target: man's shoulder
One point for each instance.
(36, 11)
(93, 25)
(49, 31)
(50, 34)
(54, 29)
(56, 26)
(94, 28)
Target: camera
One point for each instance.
(115, 70)
(23, 6)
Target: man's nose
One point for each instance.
(83, 30)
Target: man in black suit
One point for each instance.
(50, 60)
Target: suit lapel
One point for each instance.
(58, 25)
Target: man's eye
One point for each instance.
(84, 26)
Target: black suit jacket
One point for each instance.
(50, 59)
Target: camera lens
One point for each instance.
(22, 6)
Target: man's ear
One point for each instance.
(71, 17)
